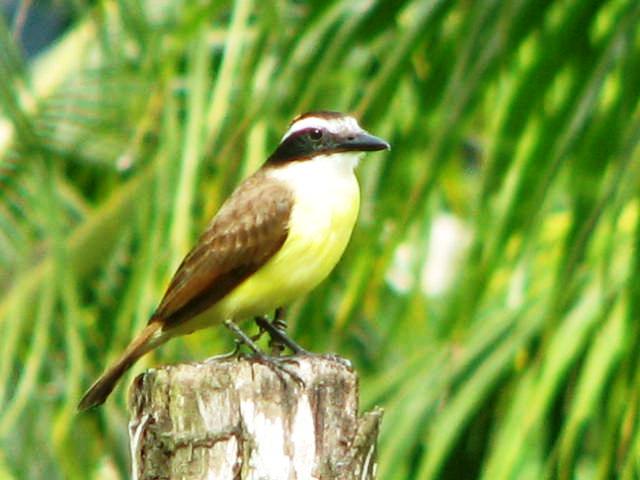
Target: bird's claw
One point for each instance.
(278, 366)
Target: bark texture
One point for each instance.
(243, 419)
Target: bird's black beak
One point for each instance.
(363, 142)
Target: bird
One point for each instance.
(275, 238)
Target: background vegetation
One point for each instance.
(489, 297)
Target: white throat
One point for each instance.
(320, 172)
(325, 190)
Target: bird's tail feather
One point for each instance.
(100, 390)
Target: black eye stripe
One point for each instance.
(299, 144)
(308, 142)
(311, 132)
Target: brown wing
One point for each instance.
(249, 229)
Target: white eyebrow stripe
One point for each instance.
(308, 122)
(332, 125)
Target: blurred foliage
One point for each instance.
(487, 297)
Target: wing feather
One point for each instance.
(249, 229)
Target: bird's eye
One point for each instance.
(315, 134)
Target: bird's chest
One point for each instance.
(324, 213)
(326, 204)
(325, 210)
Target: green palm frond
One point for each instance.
(487, 296)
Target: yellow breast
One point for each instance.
(326, 205)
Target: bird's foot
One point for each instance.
(243, 338)
(279, 366)
(277, 330)
(276, 364)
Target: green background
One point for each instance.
(489, 296)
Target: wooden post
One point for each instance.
(244, 419)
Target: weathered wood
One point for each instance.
(242, 419)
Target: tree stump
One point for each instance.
(243, 419)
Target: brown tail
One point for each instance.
(102, 387)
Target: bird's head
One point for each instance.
(324, 133)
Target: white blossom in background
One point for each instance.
(450, 238)
(448, 242)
